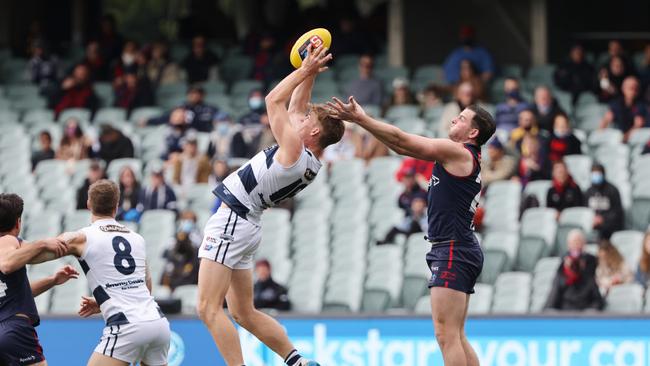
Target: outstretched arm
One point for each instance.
(419, 147)
(301, 96)
(59, 278)
(14, 256)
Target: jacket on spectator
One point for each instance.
(270, 294)
(575, 77)
(564, 196)
(558, 147)
(160, 198)
(605, 200)
(501, 169)
(203, 170)
(574, 286)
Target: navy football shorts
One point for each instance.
(455, 266)
(19, 343)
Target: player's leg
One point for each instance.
(448, 311)
(214, 280)
(472, 359)
(264, 327)
(98, 359)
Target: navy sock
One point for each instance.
(293, 358)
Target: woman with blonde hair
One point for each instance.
(612, 269)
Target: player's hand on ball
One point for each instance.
(88, 307)
(316, 59)
(64, 274)
(351, 111)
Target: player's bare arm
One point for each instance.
(147, 278)
(301, 96)
(60, 277)
(290, 144)
(14, 255)
(424, 148)
(76, 242)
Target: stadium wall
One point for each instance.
(391, 341)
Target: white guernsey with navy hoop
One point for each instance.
(233, 234)
(114, 261)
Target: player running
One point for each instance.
(19, 344)
(233, 233)
(114, 261)
(455, 258)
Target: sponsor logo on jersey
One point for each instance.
(449, 276)
(310, 174)
(209, 241)
(26, 359)
(114, 228)
(125, 285)
(226, 237)
(434, 181)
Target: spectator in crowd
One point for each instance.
(43, 69)
(77, 91)
(545, 108)
(127, 63)
(507, 113)
(95, 173)
(218, 173)
(113, 144)
(604, 198)
(45, 152)
(367, 90)
(349, 40)
(199, 115)
(268, 294)
(574, 286)
(412, 190)
(469, 50)
(158, 195)
(368, 147)
(129, 192)
(500, 166)
(562, 141)
(533, 163)
(464, 97)
(423, 170)
(345, 149)
(222, 136)
(96, 63)
(182, 267)
(110, 40)
(643, 268)
(178, 128)
(564, 192)
(267, 59)
(576, 75)
(527, 125)
(415, 220)
(198, 63)
(615, 49)
(626, 112)
(469, 73)
(610, 79)
(646, 148)
(160, 69)
(256, 108)
(431, 97)
(249, 140)
(401, 93)
(74, 144)
(644, 74)
(190, 167)
(132, 92)
(612, 269)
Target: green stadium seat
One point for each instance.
(375, 301)
(105, 93)
(214, 87)
(639, 136)
(579, 167)
(606, 136)
(430, 74)
(512, 293)
(573, 218)
(416, 126)
(542, 74)
(495, 262)
(538, 188)
(506, 242)
(481, 302)
(565, 100)
(395, 113)
(586, 98)
(22, 91)
(141, 113)
(630, 244)
(114, 168)
(236, 67)
(512, 70)
(34, 116)
(188, 294)
(81, 114)
(423, 305)
(626, 298)
(109, 114)
(76, 220)
(242, 88)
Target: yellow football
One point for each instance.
(315, 37)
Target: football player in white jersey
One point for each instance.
(114, 261)
(233, 233)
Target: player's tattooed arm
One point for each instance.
(60, 277)
(75, 240)
(14, 255)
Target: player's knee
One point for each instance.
(446, 335)
(207, 310)
(242, 316)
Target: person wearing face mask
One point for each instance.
(507, 113)
(468, 50)
(605, 199)
(127, 61)
(562, 141)
(256, 108)
(178, 128)
(545, 108)
(182, 267)
(574, 287)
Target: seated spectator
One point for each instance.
(178, 128)
(256, 106)
(96, 63)
(114, 145)
(95, 173)
(182, 267)
(500, 166)
(644, 75)
(604, 198)
(345, 149)
(626, 112)
(46, 152)
(267, 59)
(129, 192)
(564, 192)
(574, 286)
(43, 69)
(412, 190)
(268, 294)
(127, 63)
(526, 125)
(199, 115)
(160, 69)
(401, 94)
(469, 73)
(251, 139)
(110, 40)
(369, 147)
(610, 79)
(415, 220)
(157, 195)
(562, 141)
(464, 97)
(423, 170)
(431, 97)
(190, 167)
(533, 163)
(199, 61)
(576, 75)
(218, 173)
(367, 90)
(545, 108)
(74, 144)
(77, 91)
(615, 49)
(507, 113)
(643, 268)
(222, 136)
(132, 92)
(469, 50)
(612, 269)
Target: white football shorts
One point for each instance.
(146, 342)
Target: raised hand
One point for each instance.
(88, 307)
(64, 274)
(351, 111)
(316, 59)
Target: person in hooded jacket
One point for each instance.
(605, 199)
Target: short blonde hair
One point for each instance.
(332, 129)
